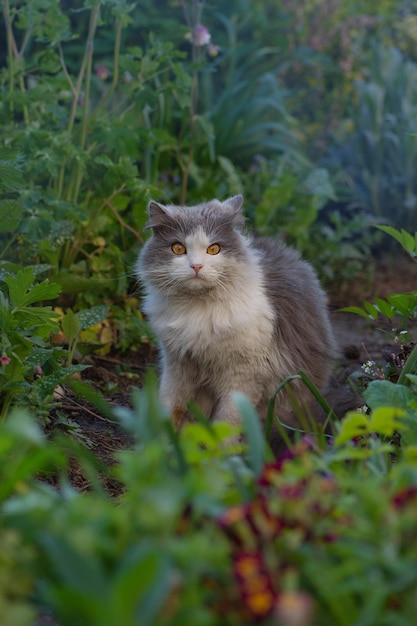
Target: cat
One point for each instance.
(232, 312)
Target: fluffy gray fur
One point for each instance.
(242, 319)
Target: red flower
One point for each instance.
(254, 583)
(404, 496)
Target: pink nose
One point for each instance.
(196, 267)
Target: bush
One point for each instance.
(199, 536)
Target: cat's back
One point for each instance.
(296, 296)
(287, 275)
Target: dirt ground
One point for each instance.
(359, 340)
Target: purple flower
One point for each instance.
(4, 359)
(201, 36)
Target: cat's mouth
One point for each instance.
(197, 283)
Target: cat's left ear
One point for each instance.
(158, 215)
(235, 203)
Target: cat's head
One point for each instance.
(194, 248)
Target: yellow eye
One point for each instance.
(178, 248)
(213, 249)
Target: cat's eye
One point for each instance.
(213, 249)
(178, 248)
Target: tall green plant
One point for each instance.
(378, 146)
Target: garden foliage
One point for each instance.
(309, 109)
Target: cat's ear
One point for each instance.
(232, 207)
(234, 203)
(158, 214)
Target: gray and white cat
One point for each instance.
(231, 312)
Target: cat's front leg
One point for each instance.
(178, 388)
(226, 408)
(175, 393)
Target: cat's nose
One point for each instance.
(196, 267)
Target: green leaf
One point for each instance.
(384, 308)
(48, 384)
(22, 293)
(318, 183)
(384, 393)
(353, 425)
(41, 291)
(19, 284)
(254, 433)
(73, 569)
(10, 213)
(234, 182)
(141, 586)
(39, 356)
(355, 309)
(37, 316)
(90, 317)
(408, 242)
(403, 304)
(371, 310)
(361, 454)
(386, 420)
(71, 325)
(10, 176)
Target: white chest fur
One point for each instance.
(240, 319)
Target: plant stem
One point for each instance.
(197, 9)
(10, 57)
(409, 367)
(89, 65)
(311, 386)
(116, 57)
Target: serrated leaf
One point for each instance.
(8, 154)
(19, 284)
(89, 317)
(408, 241)
(10, 176)
(37, 316)
(41, 291)
(10, 213)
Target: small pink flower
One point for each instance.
(4, 359)
(201, 36)
(102, 72)
(38, 371)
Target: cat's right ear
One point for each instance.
(157, 213)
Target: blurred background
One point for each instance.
(307, 107)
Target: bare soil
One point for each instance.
(359, 339)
